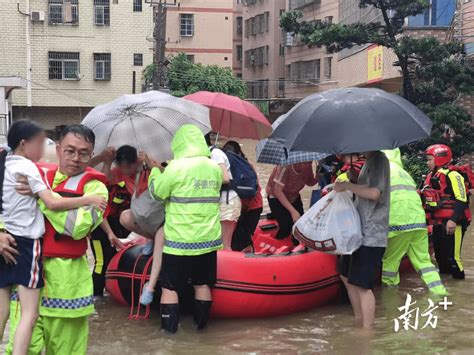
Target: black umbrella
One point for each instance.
(352, 120)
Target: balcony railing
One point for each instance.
(296, 4)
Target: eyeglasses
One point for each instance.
(82, 157)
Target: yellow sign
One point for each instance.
(374, 64)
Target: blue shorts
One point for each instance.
(28, 271)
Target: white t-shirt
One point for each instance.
(220, 157)
(21, 214)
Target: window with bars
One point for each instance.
(63, 65)
(137, 5)
(138, 59)
(327, 67)
(258, 89)
(239, 26)
(306, 71)
(61, 12)
(257, 56)
(102, 12)
(281, 87)
(102, 66)
(186, 25)
(239, 53)
(190, 57)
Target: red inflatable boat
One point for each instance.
(276, 280)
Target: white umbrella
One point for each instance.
(145, 121)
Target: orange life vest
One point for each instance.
(56, 245)
(439, 200)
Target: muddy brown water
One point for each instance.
(329, 329)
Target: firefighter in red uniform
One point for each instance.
(121, 184)
(447, 204)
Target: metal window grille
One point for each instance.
(239, 26)
(327, 67)
(281, 87)
(187, 25)
(63, 65)
(306, 71)
(138, 59)
(102, 12)
(137, 5)
(102, 66)
(190, 57)
(295, 4)
(239, 53)
(63, 12)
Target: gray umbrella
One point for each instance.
(352, 120)
(146, 121)
(272, 152)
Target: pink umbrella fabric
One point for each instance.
(233, 117)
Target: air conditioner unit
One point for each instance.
(37, 16)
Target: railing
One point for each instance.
(296, 4)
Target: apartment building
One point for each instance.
(372, 66)
(237, 38)
(310, 69)
(203, 29)
(83, 53)
(264, 64)
(88, 52)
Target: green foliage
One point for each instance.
(435, 75)
(416, 165)
(185, 77)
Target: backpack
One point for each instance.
(466, 172)
(244, 178)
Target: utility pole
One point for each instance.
(160, 10)
(159, 33)
(28, 55)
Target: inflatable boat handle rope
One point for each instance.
(137, 316)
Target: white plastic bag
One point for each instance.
(332, 225)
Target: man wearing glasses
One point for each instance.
(67, 298)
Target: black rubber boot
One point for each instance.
(202, 309)
(169, 317)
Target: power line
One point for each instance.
(60, 92)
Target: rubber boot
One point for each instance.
(169, 317)
(202, 309)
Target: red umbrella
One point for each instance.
(233, 117)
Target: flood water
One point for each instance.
(329, 329)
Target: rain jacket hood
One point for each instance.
(394, 156)
(189, 142)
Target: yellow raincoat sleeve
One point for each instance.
(458, 185)
(84, 219)
(159, 184)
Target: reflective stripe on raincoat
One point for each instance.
(406, 208)
(68, 291)
(190, 185)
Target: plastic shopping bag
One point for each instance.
(332, 225)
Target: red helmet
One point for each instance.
(442, 154)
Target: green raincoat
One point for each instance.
(190, 185)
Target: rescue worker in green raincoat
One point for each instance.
(190, 186)
(67, 298)
(407, 230)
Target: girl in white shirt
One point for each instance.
(25, 222)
